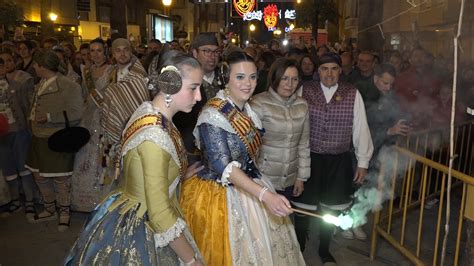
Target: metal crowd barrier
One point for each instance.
(423, 158)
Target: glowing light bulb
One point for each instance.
(285, 42)
(167, 2)
(53, 16)
(252, 27)
(233, 40)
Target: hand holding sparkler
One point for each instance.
(277, 204)
(343, 220)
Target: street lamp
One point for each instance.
(53, 16)
(167, 2)
(251, 29)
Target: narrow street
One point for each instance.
(41, 244)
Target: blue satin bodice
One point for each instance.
(219, 148)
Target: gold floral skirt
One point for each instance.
(232, 227)
(204, 206)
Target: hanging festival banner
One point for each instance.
(270, 16)
(243, 7)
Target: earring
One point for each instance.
(168, 100)
(226, 91)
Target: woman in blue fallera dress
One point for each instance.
(233, 212)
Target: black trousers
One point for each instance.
(331, 181)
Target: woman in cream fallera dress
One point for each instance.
(89, 183)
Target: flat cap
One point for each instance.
(330, 58)
(205, 38)
(120, 42)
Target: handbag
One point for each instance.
(69, 139)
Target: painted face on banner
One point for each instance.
(243, 6)
(270, 16)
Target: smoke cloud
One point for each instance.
(378, 187)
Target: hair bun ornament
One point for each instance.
(169, 80)
(169, 68)
(224, 71)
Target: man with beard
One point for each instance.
(206, 50)
(126, 91)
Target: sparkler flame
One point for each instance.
(343, 221)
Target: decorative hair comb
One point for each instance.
(169, 68)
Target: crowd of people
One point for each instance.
(199, 153)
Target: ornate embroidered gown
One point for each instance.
(136, 222)
(87, 186)
(230, 226)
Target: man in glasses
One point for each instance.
(206, 50)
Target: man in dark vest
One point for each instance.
(337, 123)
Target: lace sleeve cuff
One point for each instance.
(226, 173)
(163, 239)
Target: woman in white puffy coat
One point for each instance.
(284, 156)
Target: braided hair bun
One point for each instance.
(169, 81)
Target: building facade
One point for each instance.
(402, 24)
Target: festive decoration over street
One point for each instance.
(270, 16)
(243, 7)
